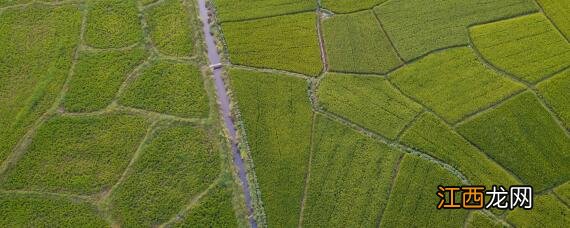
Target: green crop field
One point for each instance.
(277, 117)
(431, 135)
(112, 23)
(98, 77)
(284, 42)
(519, 134)
(557, 11)
(555, 91)
(231, 10)
(108, 118)
(356, 43)
(368, 101)
(171, 88)
(283, 113)
(350, 177)
(528, 47)
(453, 83)
(420, 26)
(171, 28)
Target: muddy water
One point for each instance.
(224, 101)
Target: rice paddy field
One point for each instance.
(121, 113)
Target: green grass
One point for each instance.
(231, 10)
(432, 136)
(453, 83)
(347, 6)
(48, 211)
(80, 155)
(171, 88)
(555, 91)
(98, 76)
(563, 191)
(36, 49)
(350, 177)
(557, 11)
(112, 23)
(528, 47)
(177, 164)
(368, 101)
(413, 198)
(546, 212)
(214, 210)
(277, 116)
(478, 220)
(4, 3)
(170, 28)
(356, 43)
(523, 137)
(285, 43)
(418, 26)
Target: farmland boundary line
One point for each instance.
(529, 85)
(359, 10)
(320, 37)
(409, 124)
(551, 75)
(394, 144)
(150, 131)
(541, 10)
(560, 199)
(395, 173)
(489, 107)
(270, 70)
(152, 4)
(20, 148)
(402, 61)
(308, 173)
(191, 203)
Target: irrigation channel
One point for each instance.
(224, 102)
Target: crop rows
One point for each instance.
(77, 157)
(231, 10)
(555, 92)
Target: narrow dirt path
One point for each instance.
(224, 102)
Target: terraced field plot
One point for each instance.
(101, 130)
(528, 47)
(433, 82)
(356, 43)
(284, 42)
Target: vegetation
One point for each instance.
(368, 101)
(231, 10)
(214, 210)
(40, 211)
(170, 28)
(79, 155)
(36, 48)
(347, 6)
(112, 23)
(356, 43)
(546, 212)
(418, 27)
(285, 43)
(277, 116)
(557, 11)
(350, 178)
(453, 83)
(563, 191)
(171, 88)
(528, 47)
(175, 166)
(433, 137)
(98, 76)
(519, 134)
(555, 91)
(413, 200)
(478, 219)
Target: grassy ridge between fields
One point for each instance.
(557, 11)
